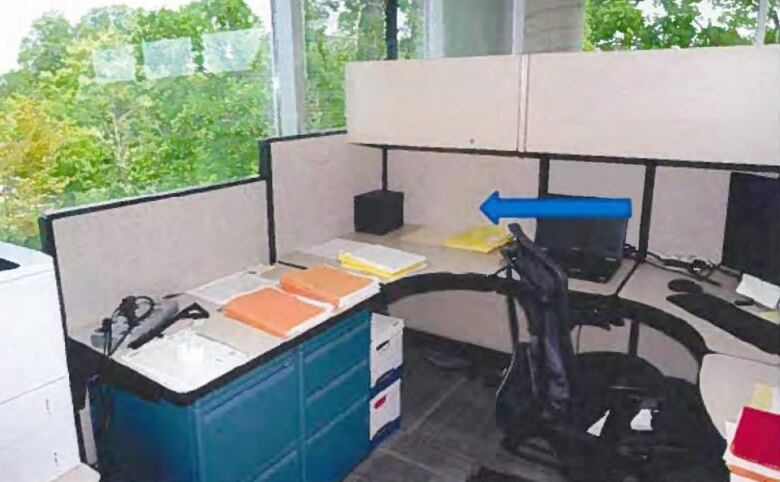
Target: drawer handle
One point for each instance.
(380, 402)
(382, 345)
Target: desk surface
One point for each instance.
(727, 385)
(440, 259)
(648, 285)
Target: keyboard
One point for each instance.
(752, 329)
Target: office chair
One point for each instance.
(550, 392)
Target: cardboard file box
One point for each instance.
(385, 413)
(386, 358)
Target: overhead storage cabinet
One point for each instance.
(710, 104)
(471, 102)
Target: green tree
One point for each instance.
(623, 24)
(67, 137)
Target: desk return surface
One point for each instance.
(441, 259)
(648, 285)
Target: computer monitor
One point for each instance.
(752, 240)
(599, 237)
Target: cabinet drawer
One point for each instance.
(288, 469)
(245, 382)
(34, 411)
(42, 454)
(341, 328)
(328, 403)
(339, 354)
(340, 446)
(251, 428)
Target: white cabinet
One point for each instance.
(710, 104)
(33, 349)
(37, 429)
(471, 102)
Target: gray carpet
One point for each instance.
(448, 426)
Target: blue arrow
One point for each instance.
(495, 207)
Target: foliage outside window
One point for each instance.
(657, 24)
(341, 31)
(126, 101)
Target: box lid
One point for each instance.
(384, 327)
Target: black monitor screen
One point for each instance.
(752, 240)
(596, 236)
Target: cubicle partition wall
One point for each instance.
(150, 245)
(443, 192)
(313, 182)
(153, 245)
(602, 179)
(689, 212)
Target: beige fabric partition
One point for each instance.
(689, 212)
(468, 316)
(444, 190)
(604, 180)
(314, 182)
(157, 247)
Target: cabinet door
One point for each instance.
(247, 430)
(703, 104)
(340, 446)
(30, 327)
(470, 103)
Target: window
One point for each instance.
(653, 24)
(337, 32)
(123, 100)
(410, 29)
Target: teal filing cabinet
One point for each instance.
(302, 416)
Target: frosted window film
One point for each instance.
(168, 58)
(231, 51)
(114, 65)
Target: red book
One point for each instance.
(758, 438)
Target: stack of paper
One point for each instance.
(387, 263)
(330, 285)
(482, 239)
(332, 248)
(276, 312)
(184, 360)
(224, 289)
(753, 451)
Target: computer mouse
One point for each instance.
(682, 285)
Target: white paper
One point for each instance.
(597, 427)
(224, 289)
(759, 291)
(184, 361)
(386, 259)
(643, 421)
(332, 248)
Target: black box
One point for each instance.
(379, 212)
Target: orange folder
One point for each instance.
(271, 310)
(323, 283)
